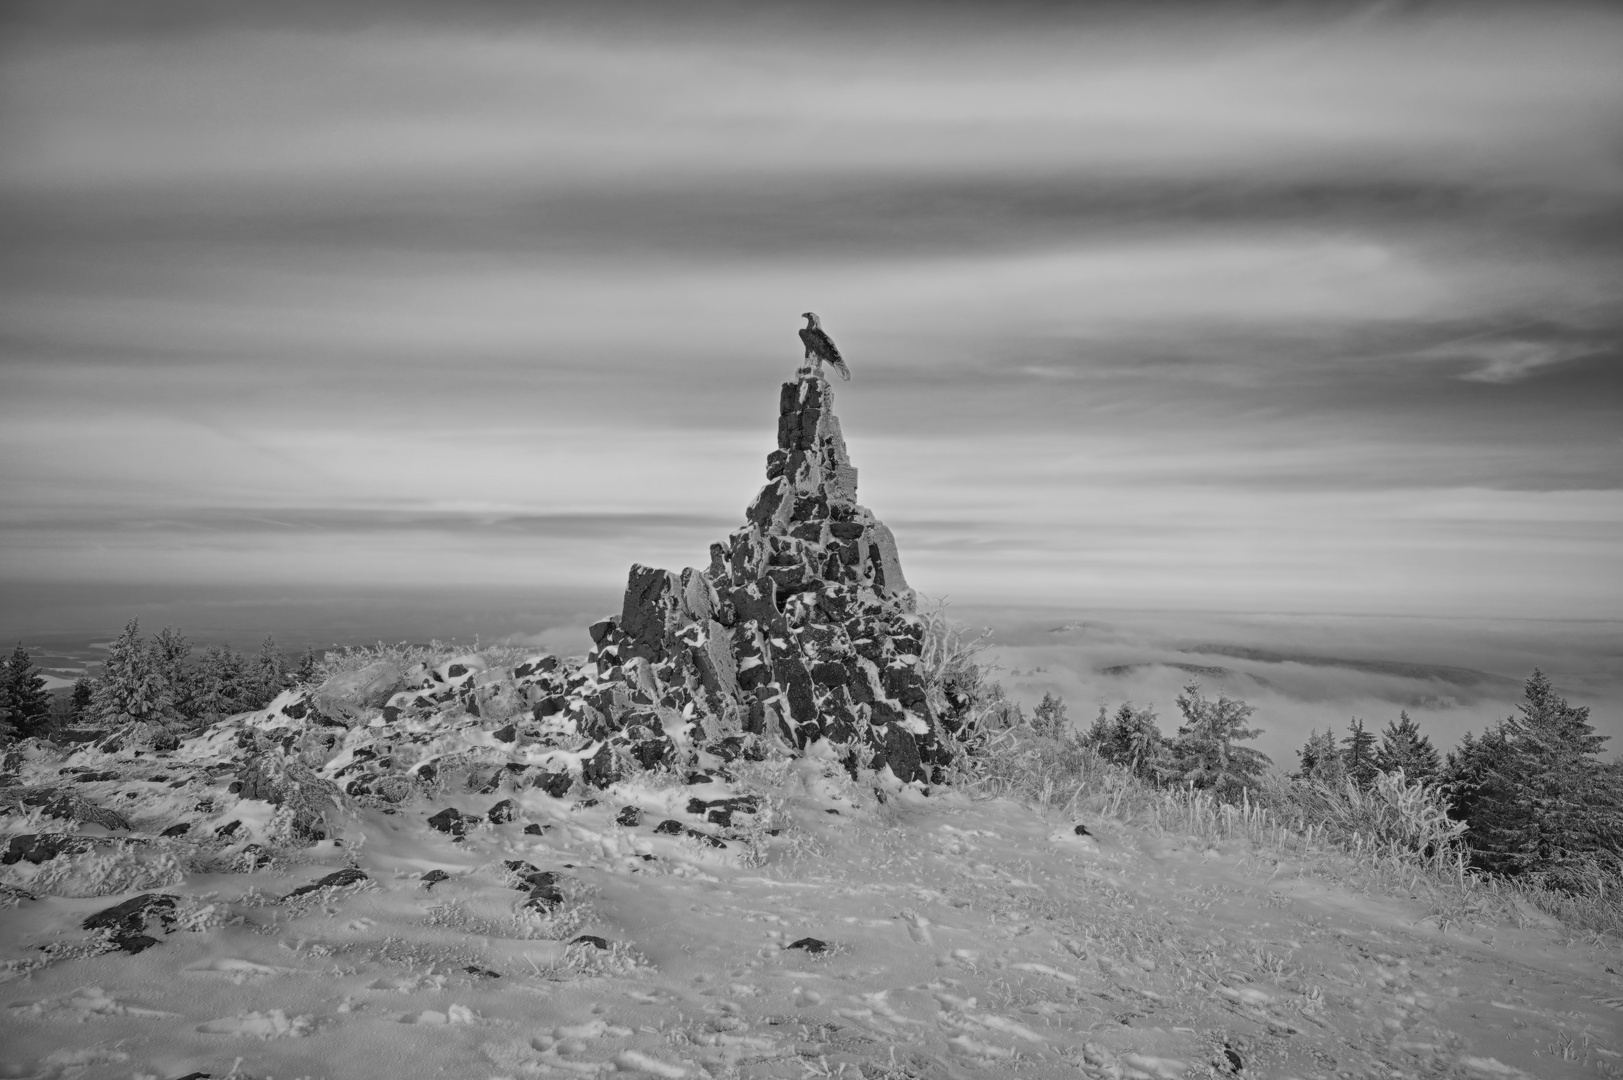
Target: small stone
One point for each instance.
(670, 826)
(228, 829)
(810, 944)
(505, 734)
(532, 829)
(335, 880)
(483, 973)
(1082, 830)
(125, 923)
(593, 940)
(433, 877)
(503, 812)
(556, 784)
(180, 829)
(629, 816)
(544, 897)
(450, 821)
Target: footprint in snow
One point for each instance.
(455, 1014)
(273, 1024)
(84, 1003)
(240, 971)
(918, 927)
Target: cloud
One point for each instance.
(1203, 305)
(1511, 361)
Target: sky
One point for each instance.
(1221, 307)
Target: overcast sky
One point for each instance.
(1278, 308)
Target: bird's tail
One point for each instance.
(845, 372)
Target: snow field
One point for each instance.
(964, 939)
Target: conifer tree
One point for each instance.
(1404, 747)
(1533, 793)
(1204, 753)
(1358, 754)
(1321, 760)
(26, 699)
(79, 703)
(170, 650)
(1048, 718)
(306, 671)
(131, 688)
(268, 677)
(1132, 738)
(219, 684)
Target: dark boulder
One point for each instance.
(40, 848)
(503, 812)
(556, 784)
(449, 821)
(602, 768)
(335, 880)
(810, 944)
(125, 924)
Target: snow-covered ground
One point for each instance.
(948, 937)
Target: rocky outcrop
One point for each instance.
(802, 628)
(800, 635)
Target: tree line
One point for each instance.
(1532, 790)
(159, 681)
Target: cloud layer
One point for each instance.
(1200, 307)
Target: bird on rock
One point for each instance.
(820, 347)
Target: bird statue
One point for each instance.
(820, 347)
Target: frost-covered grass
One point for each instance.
(405, 654)
(1394, 836)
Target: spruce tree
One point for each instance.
(1321, 760)
(219, 686)
(170, 651)
(1358, 754)
(26, 698)
(131, 688)
(1533, 793)
(1048, 718)
(306, 671)
(269, 675)
(1404, 747)
(79, 703)
(1204, 753)
(1132, 738)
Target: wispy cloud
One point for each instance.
(1207, 302)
